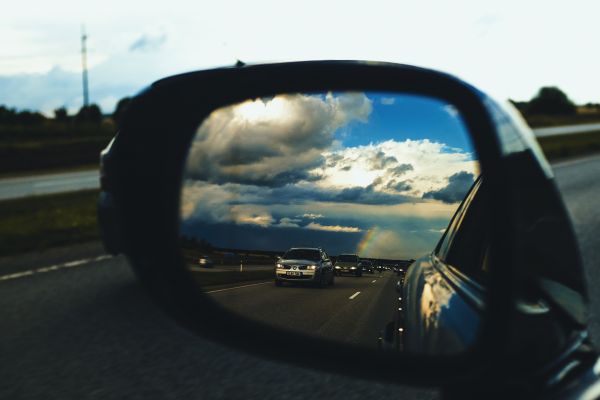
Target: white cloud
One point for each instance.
(388, 101)
(421, 164)
(286, 222)
(311, 215)
(332, 228)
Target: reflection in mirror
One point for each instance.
(307, 212)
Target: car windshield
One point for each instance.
(301, 254)
(348, 258)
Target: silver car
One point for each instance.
(303, 264)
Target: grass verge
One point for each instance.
(566, 146)
(39, 222)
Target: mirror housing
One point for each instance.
(150, 152)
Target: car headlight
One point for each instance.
(202, 261)
(352, 267)
(337, 267)
(279, 265)
(311, 267)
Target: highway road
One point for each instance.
(566, 129)
(354, 310)
(12, 188)
(76, 325)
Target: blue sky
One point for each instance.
(407, 117)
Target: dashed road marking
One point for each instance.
(354, 295)
(56, 267)
(238, 287)
(375, 280)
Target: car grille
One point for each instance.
(300, 267)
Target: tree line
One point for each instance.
(86, 114)
(550, 100)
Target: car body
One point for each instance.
(304, 265)
(348, 264)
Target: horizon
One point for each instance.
(509, 51)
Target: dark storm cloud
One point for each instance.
(272, 142)
(400, 186)
(381, 161)
(455, 191)
(400, 170)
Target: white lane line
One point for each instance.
(354, 295)
(15, 276)
(374, 281)
(56, 267)
(237, 287)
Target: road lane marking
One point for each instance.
(238, 287)
(354, 295)
(374, 281)
(55, 267)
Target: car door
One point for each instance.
(443, 292)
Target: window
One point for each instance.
(466, 243)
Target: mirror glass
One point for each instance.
(332, 214)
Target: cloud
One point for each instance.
(421, 164)
(455, 191)
(401, 186)
(332, 228)
(289, 222)
(400, 169)
(381, 161)
(388, 101)
(311, 216)
(272, 142)
(147, 43)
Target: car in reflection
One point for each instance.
(425, 323)
(304, 265)
(367, 266)
(348, 264)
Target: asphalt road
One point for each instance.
(566, 129)
(73, 330)
(12, 188)
(354, 310)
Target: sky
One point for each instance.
(350, 172)
(508, 48)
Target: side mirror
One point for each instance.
(390, 162)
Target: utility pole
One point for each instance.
(86, 96)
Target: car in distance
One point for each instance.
(304, 264)
(367, 266)
(348, 264)
(205, 261)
